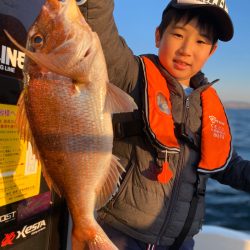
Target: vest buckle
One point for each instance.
(201, 185)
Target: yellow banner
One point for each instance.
(19, 171)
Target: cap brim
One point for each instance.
(225, 25)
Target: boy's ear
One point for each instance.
(157, 38)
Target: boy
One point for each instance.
(178, 137)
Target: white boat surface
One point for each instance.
(220, 238)
(210, 238)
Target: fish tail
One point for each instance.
(96, 240)
(101, 242)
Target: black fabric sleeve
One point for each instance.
(123, 66)
(237, 173)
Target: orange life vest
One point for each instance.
(216, 138)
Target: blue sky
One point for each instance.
(137, 20)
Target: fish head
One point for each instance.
(61, 41)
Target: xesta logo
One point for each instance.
(32, 229)
(8, 239)
(10, 59)
(27, 230)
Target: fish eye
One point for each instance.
(81, 2)
(37, 41)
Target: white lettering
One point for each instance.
(11, 57)
(3, 54)
(32, 229)
(9, 69)
(7, 217)
(20, 59)
(219, 3)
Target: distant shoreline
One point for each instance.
(236, 105)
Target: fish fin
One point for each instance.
(118, 101)
(49, 181)
(22, 122)
(23, 125)
(25, 134)
(101, 241)
(94, 239)
(111, 183)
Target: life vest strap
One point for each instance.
(200, 189)
(160, 158)
(135, 127)
(126, 129)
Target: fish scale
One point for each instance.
(71, 123)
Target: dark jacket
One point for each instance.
(144, 208)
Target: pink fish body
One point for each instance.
(65, 112)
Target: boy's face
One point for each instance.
(184, 49)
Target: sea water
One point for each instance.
(226, 206)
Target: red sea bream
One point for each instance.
(65, 112)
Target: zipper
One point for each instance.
(176, 186)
